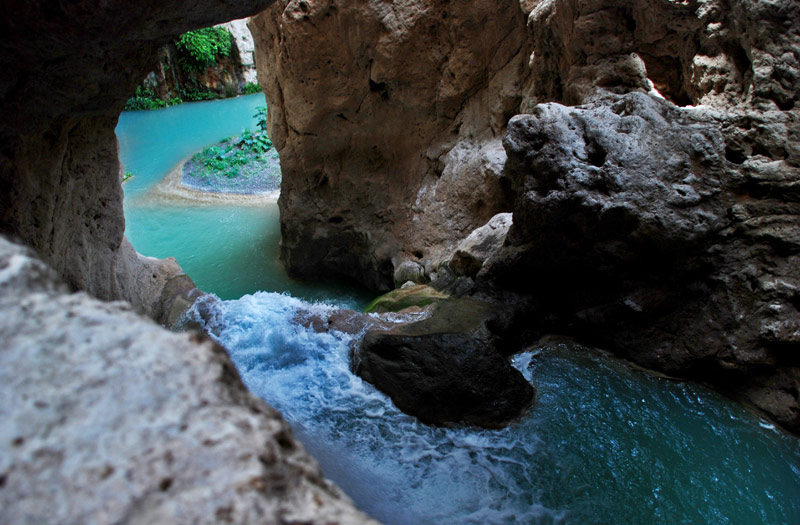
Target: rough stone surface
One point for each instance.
(108, 418)
(69, 68)
(718, 52)
(632, 227)
(449, 367)
(388, 118)
(480, 245)
(246, 48)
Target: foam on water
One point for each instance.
(604, 444)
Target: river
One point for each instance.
(605, 443)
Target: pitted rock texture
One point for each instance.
(718, 52)
(69, 68)
(633, 228)
(108, 418)
(388, 117)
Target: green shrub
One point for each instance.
(147, 99)
(196, 95)
(199, 49)
(261, 118)
(250, 88)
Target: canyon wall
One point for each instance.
(227, 77)
(389, 119)
(664, 231)
(69, 70)
(107, 417)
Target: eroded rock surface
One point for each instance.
(633, 227)
(108, 418)
(388, 118)
(480, 245)
(667, 233)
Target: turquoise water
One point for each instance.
(605, 443)
(227, 250)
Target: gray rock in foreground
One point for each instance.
(108, 418)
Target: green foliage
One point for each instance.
(251, 87)
(199, 49)
(196, 95)
(127, 176)
(261, 119)
(254, 142)
(147, 99)
(227, 157)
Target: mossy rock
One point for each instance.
(402, 298)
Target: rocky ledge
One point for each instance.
(637, 226)
(108, 418)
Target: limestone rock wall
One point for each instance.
(245, 47)
(716, 52)
(388, 118)
(70, 67)
(227, 77)
(108, 418)
(634, 230)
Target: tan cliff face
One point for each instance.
(678, 225)
(388, 118)
(386, 115)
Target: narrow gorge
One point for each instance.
(585, 214)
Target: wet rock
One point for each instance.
(418, 295)
(108, 418)
(450, 367)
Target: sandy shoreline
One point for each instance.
(171, 189)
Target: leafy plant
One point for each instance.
(127, 176)
(201, 48)
(254, 142)
(250, 88)
(147, 99)
(196, 95)
(261, 118)
(235, 156)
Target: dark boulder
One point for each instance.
(450, 367)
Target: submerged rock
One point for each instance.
(450, 367)
(108, 418)
(405, 297)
